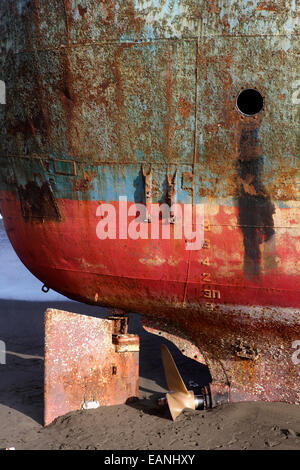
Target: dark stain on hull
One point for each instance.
(254, 204)
(38, 202)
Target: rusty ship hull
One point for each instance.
(102, 93)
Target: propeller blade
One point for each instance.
(178, 401)
(173, 377)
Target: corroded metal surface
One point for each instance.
(84, 367)
(249, 350)
(137, 98)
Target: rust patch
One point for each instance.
(184, 107)
(85, 183)
(267, 6)
(245, 351)
(29, 127)
(82, 10)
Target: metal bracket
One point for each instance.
(187, 181)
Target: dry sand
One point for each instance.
(140, 425)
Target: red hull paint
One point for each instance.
(147, 271)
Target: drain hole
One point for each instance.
(250, 102)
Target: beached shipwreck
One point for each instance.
(174, 102)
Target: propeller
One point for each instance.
(178, 398)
